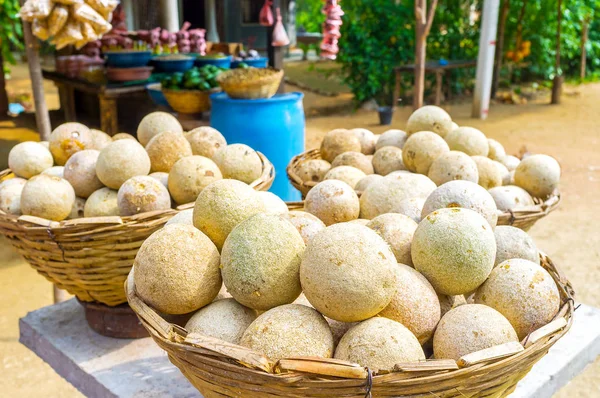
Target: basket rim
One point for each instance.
(25, 221)
(541, 207)
(186, 91)
(275, 74)
(179, 343)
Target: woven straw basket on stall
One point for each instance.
(523, 217)
(251, 83)
(220, 369)
(91, 257)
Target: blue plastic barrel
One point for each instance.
(261, 62)
(273, 126)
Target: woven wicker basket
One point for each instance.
(91, 257)
(189, 101)
(220, 369)
(523, 217)
(251, 83)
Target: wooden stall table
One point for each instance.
(107, 94)
(430, 67)
(103, 367)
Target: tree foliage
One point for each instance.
(309, 15)
(11, 31)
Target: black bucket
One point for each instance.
(385, 115)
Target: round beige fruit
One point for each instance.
(354, 159)
(411, 207)
(397, 230)
(468, 140)
(55, 171)
(465, 194)
(490, 175)
(348, 174)
(161, 177)
(421, 149)
(239, 162)
(47, 197)
(141, 194)
(273, 203)
(120, 161)
(392, 137)
(183, 217)
(496, 150)
(383, 196)
(348, 272)
(511, 197)
(189, 176)
(155, 123)
(379, 344)
(177, 270)
(77, 211)
(67, 139)
(367, 140)
(513, 243)
(260, 262)
(165, 149)
(470, 328)
(80, 171)
(224, 319)
(453, 165)
(45, 144)
(205, 141)
(332, 201)
(102, 203)
(305, 223)
(222, 205)
(388, 159)
(288, 331)
(123, 136)
(429, 118)
(28, 159)
(10, 195)
(511, 162)
(366, 181)
(415, 304)
(313, 170)
(337, 142)
(506, 175)
(100, 139)
(538, 298)
(454, 249)
(454, 126)
(538, 174)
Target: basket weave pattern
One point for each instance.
(523, 217)
(264, 86)
(188, 101)
(220, 369)
(91, 257)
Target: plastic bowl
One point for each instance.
(224, 62)
(261, 62)
(164, 64)
(127, 59)
(128, 74)
(156, 94)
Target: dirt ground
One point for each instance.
(570, 235)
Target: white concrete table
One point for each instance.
(102, 367)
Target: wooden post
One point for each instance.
(169, 15)
(584, 37)
(424, 20)
(210, 12)
(558, 78)
(485, 59)
(275, 54)
(3, 93)
(37, 82)
(500, 46)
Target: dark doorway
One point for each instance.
(193, 12)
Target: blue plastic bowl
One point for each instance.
(172, 65)
(220, 62)
(127, 59)
(156, 94)
(255, 63)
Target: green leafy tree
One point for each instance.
(11, 34)
(309, 16)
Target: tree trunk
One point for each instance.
(557, 82)
(584, 37)
(500, 46)
(3, 93)
(420, 51)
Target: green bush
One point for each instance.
(309, 16)
(11, 33)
